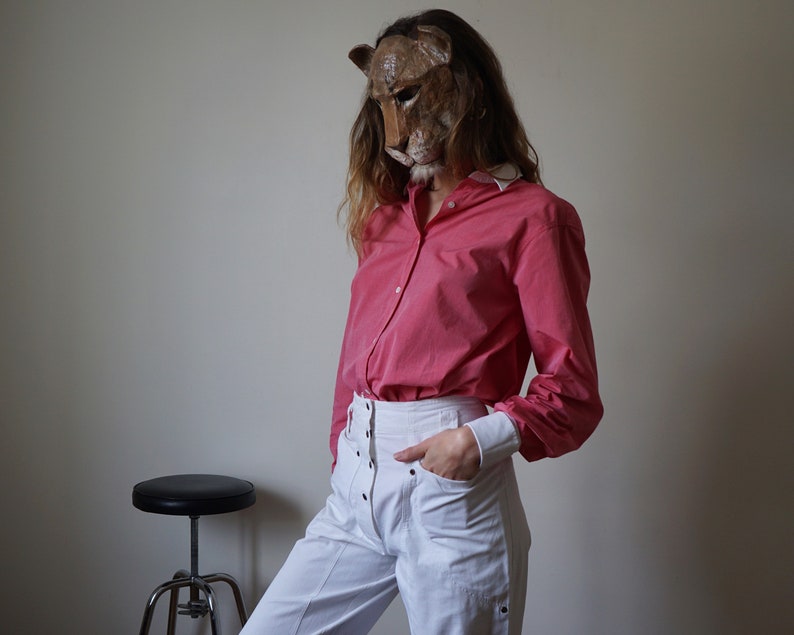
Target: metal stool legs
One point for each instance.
(196, 607)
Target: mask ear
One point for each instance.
(436, 43)
(361, 56)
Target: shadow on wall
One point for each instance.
(269, 530)
(742, 515)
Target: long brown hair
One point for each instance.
(486, 130)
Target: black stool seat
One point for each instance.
(193, 495)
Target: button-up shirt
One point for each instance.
(459, 306)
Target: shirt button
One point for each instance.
(451, 204)
(398, 289)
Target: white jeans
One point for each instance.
(455, 550)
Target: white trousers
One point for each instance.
(455, 550)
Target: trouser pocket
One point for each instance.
(463, 529)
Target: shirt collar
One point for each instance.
(503, 175)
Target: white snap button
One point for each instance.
(451, 204)
(398, 289)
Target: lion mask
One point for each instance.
(411, 81)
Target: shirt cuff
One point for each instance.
(496, 436)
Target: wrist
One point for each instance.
(470, 448)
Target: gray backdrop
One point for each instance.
(173, 287)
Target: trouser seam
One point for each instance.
(319, 588)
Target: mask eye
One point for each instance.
(406, 94)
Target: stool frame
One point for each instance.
(196, 607)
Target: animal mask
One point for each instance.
(412, 82)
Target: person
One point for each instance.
(467, 267)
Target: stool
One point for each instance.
(193, 495)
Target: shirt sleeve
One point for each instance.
(562, 406)
(343, 396)
(497, 437)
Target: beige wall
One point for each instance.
(174, 285)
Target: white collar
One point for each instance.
(503, 175)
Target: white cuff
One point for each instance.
(497, 437)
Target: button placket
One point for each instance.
(368, 482)
(399, 290)
(368, 451)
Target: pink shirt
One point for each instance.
(458, 308)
